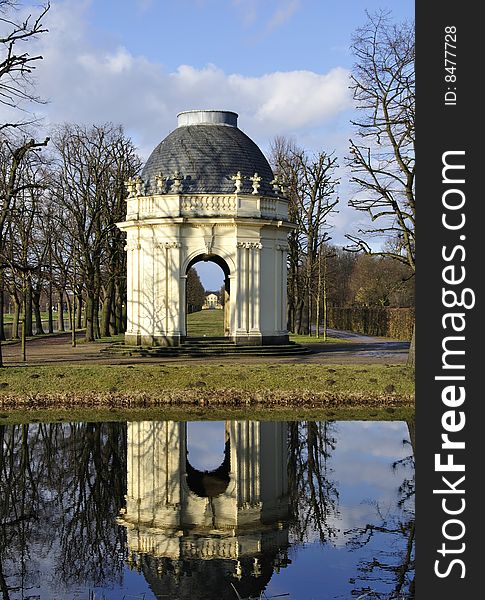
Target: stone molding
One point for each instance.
(252, 245)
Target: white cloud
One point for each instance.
(89, 84)
(95, 82)
(248, 10)
(283, 14)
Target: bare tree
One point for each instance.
(16, 65)
(313, 494)
(383, 158)
(93, 163)
(17, 88)
(14, 186)
(310, 185)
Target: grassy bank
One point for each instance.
(209, 385)
(196, 413)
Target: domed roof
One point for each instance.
(207, 149)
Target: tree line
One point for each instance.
(61, 196)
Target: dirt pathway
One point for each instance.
(58, 349)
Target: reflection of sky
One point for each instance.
(205, 443)
(361, 464)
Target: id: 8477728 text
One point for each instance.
(450, 66)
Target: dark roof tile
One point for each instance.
(207, 156)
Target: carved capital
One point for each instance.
(251, 245)
(283, 247)
(132, 245)
(168, 245)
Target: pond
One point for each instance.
(206, 510)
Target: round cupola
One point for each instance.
(206, 151)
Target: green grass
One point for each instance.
(191, 413)
(376, 379)
(209, 323)
(8, 318)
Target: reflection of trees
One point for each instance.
(393, 567)
(60, 485)
(313, 495)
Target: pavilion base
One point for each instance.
(259, 340)
(133, 339)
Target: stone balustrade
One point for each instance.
(198, 205)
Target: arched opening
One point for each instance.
(213, 316)
(202, 440)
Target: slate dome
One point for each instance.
(207, 149)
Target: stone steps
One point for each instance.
(200, 347)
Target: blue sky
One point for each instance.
(283, 65)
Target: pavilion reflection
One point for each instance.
(199, 534)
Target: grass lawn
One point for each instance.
(375, 379)
(210, 391)
(209, 323)
(8, 317)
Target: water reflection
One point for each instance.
(60, 486)
(194, 533)
(104, 511)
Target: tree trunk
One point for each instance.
(97, 332)
(39, 330)
(69, 310)
(106, 310)
(29, 331)
(299, 316)
(325, 299)
(49, 310)
(113, 321)
(319, 294)
(16, 317)
(60, 311)
(2, 308)
(79, 308)
(90, 315)
(23, 335)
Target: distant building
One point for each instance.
(212, 301)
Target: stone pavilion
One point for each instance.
(206, 193)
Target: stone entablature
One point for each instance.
(202, 205)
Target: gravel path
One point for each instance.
(362, 349)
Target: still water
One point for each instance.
(206, 510)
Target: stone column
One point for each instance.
(169, 305)
(282, 250)
(133, 333)
(156, 451)
(255, 289)
(247, 294)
